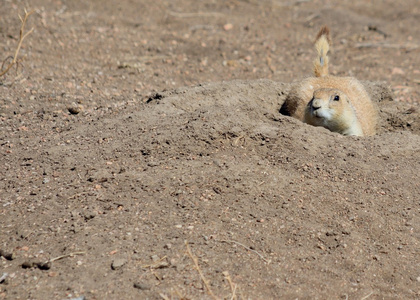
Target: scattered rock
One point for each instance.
(44, 266)
(153, 164)
(118, 263)
(3, 278)
(155, 96)
(228, 26)
(40, 265)
(89, 215)
(75, 109)
(155, 258)
(6, 255)
(27, 265)
(142, 286)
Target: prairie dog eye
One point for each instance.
(336, 98)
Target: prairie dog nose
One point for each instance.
(316, 103)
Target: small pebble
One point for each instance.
(227, 26)
(3, 278)
(27, 265)
(141, 286)
(44, 266)
(118, 263)
(153, 164)
(155, 258)
(8, 256)
(75, 109)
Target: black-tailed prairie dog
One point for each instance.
(340, 104)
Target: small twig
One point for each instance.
(311, 17)
(64, 256)
(155, 264)
(196, 14)
(164, 296)
(246, 247)
(156, 275)
(195, 260)
(233, 286)
(26, 237)
(178, 293)
(367, 296)
(5, 60)
(22, 36)
(291, 3)
(376, 29)
(385, 45)
(233, 293)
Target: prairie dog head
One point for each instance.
(331, 108)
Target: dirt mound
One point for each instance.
(285, 208)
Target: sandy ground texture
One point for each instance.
(143, 155)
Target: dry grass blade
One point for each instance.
(232, 285)
(195, 14)
(408, 47)
(247, 248)
(65, 255)
(367, 296)
(163, 296)
(195, 260)
(157, 264)
(22, 36)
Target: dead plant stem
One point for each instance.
(195, 260)
(22, 36)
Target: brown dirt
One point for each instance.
(135, 126)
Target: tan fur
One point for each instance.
(353, 114)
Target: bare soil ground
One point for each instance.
(141, 139)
